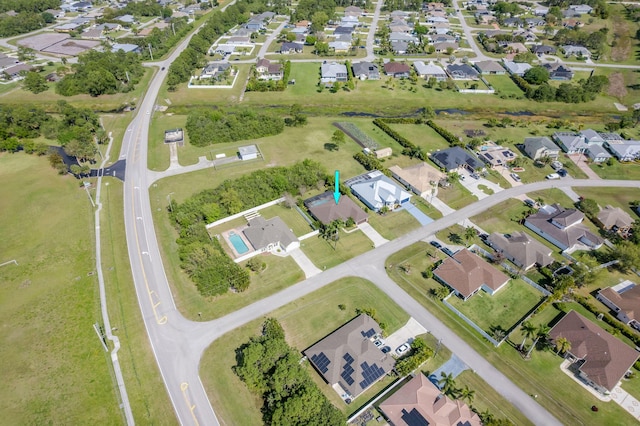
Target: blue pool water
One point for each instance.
(238, 243)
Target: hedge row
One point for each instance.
(521, 83)
(393, 134)
(369, 162)
(447, 135)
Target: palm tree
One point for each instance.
(528, 330)
(541, 333)
(562, 345)
(469, 233)
(447, 383)
(467, 394)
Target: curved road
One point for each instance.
(178, 343)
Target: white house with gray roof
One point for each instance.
(266, 235)
(430, 70)
(331, 72)
(516, 68)
(376, 191)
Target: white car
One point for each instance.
(403, 349)
(552, 176)
(515, 177)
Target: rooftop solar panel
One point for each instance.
(369, 333)
(321, 362)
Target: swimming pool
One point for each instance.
(238, 243)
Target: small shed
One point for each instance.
(383, 152)
(249, 152)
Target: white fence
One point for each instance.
(251, 210)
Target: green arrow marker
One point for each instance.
(336, 191)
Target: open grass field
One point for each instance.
(540, 375)
(323, 254)
(422, 135)
(504, 309)
(117, 125)
(149, 401)
(305, 321)
(426, 208)
(503, 85)
(613, 197)
(617, 170)
(55, 369)
(456, 196)
(393, 224)
(105, 103)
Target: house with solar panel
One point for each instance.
(348, 359)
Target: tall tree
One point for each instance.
(528, 330)
(562, 345)
(541, 333)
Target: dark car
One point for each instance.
(435, 244)
(448, 252)
(386, 350)
(162, 69)
(530, 203)
(562, 172)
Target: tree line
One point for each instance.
(100, 73)
(160, 40)
(272, 369)
(583, 91)
(208, 126)
(30, 15)
(203, 257)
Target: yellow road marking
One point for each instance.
(192, 407)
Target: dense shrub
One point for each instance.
(208, 126)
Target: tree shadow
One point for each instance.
(329, 146)
(455, 238)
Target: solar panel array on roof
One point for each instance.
(414, 418)
(371, 373)
(489, 156)
(347, 370)
(321, 362)
(508, 154)
(369, 333)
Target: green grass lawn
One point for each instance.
(613, 197)
(503, 85)
(422, 136)
(393, 224)
(323, 254)
(305, 321)
(504, 309)
(55, 369)
(540, 375)
(117, 125)
(617, 170)
(456, 196)
(426, 208)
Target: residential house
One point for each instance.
(535, 22)
(290, 48)
(558, 71)
(624, 300)
(397, 69)
(343, 30)
(446, 47)
(67, 28)
(528, 36)
(581, 9)
(489, 68)
(466, 273)
(624, 150)
(238, 40)
(399, 26)
(330, 72)
(442, 38)
(216, 70)
(516, 48)
(462, 72)
(254, 25)
(269, 235)
(303, 24)
(525, 252)
(349, 21)
(420, 402)
(436, 20)
(17, 71)
(495, 155)
(403, 37)
(325, 210)
(597, 153)
(592, 137)
(454, 158)
(570, 142)
(541, 11)
(339, 46)
(399, 14)
(421, 178)
(377, 191)
(563, 228)
(126, 19)
(513, 22)
(248, 152)
(56, 13)
(93, 34)
(267, 70)
(516, 68)
(365, 71)
(579, 51)
(430, 70)
(125, 47)
(600, 359)
(348, 360)
(383, 152)
(541, 49)
(614, 219)
(353, 11)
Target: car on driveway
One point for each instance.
(552, 176)
(562, 172)
(529, 203)
(386, 349)
(435, 244)
(556, 165)
(402, 349)
(448, 252)
(515, 177)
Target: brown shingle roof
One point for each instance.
(324, 208)
(568, 236)
(628, 301)
(467, 272)
(607, 359)
(396, 67)
(522, 248)
(420, 402)
(614, 216)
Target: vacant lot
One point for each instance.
(393, 224)
(323, 254)
(612, 196)
(422, 135)
(305, 321)
(55, 369)
(502, 310)
(503, 85)
(617, 170)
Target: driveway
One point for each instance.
(626, 401)
(472, 184)
(372, 234)
(453, 366)
(418, 214)
(580, 160)
(304, 263)
(406, 334)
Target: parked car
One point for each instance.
(529, 203)
(475, 175)
(556, 165)
(562, 172)
(435, 244)
(552, 176)
(386, 349)
(402, 349)
(447, 251)
(515, 177)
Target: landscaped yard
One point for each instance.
(504, 309)
(613, 196)
(323, 254)
(456, 196)
(305, 321)
(617, 170)
(290, 216)
(503, 85)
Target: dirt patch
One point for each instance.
(621, 45)
(617, 88)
